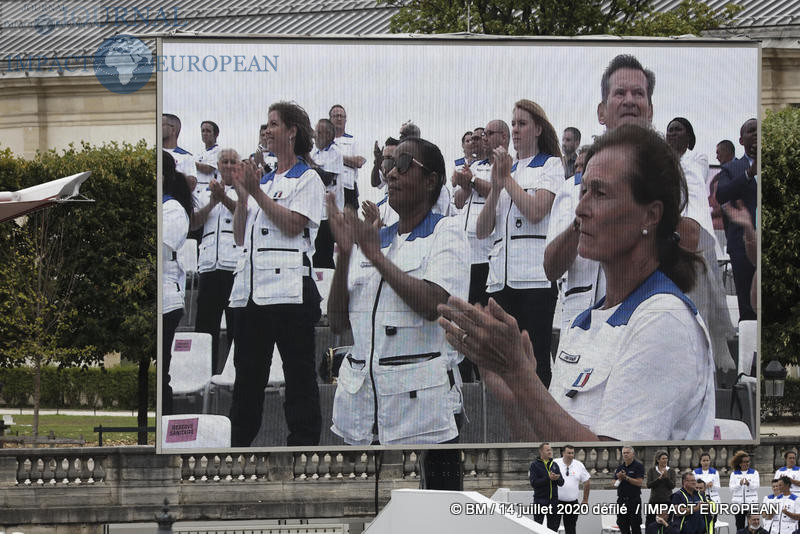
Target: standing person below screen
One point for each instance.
(218, 256)
(352, 160)
(184, 161)
(687, 503)
(275, 298)
(743, 484)
(790, 470)
(785, 521)
(516, 215)
(330, 167)
(630, 476)
(710, 476)
(575, 474)
(570, 141)
(545, 478)
(771, 499)
(206, 160)
(660, 482)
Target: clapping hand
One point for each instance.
(501, 168)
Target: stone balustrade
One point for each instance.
(75, 488)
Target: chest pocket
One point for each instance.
(580, 386)
(394, 311)
(526, 244)
(476, 206)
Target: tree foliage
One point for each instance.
(556, 17)
(780, 236)
(108, 251)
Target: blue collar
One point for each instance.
(537, 161)
(345, 134)
(383, 201)
(578, 176)
(166, 198)
(784, 468)
(423, 229)
(750, 471)
(484, 162)
(711, 471)
(657, 283)
(212, 146)
(461, 161)
(295, 172)
(179, 150)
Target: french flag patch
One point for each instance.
(583, 378)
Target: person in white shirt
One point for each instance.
(790, 470)
(785, 522)
(330, 166)
(184, 161)
(638, 365)
(710, 476)
(350, 150)
(275, 298)
(770, 500)
(743, 484)
(176, 209)
(516, 216)
(206, 160)
(574, 473)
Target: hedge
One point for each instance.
(75, 387)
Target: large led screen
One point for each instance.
(578, 190)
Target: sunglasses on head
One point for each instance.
(402, 162)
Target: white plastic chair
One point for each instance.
(719, 525)
(190, 368)
(733, 308)
(223, 380)
(195, 431)
(323, 279)
(608, 523)
(729, 429)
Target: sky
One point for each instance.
(448, 87)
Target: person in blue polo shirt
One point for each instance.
(275, 298)
(545, 477)
(630, 476)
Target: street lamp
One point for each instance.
(774, 379)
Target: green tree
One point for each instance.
(780, 236)
(555, 17)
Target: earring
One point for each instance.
(644, 231)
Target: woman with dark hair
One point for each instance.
(743, 484)
(637, 366)
(400, 383)
(660, 481)
(275, 299)
(697, 234)
(517, 215)
(176, 210)
(710, 476)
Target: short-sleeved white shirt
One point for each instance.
(272, 259)
(641, 370)
(793, 473)
(218, 249)
(712, 475)
(479, 248)
(330, 159)
(697, 206)
(207, 157)
(175, 226)
(184, 161)
(347, 144)
(585, 281)
(399, 356)
(517, 242)
(578, 474)
(782, 523)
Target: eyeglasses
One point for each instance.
(402, 162)
(487, 133)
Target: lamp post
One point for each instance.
(774, 381)
(164, 520)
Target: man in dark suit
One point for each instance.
(737, 182)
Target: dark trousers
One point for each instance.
(553, 519)
(478, 274)
(351, 197)
(741, 521)
(323, 247)
(212, 300)
(533, 309)
(169, 322)
(631, 522)
(570, 520)
(743, 272)
(258, 329)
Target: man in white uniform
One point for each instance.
(206, 160)
(331, 167)
(184, 161)
(575, 474)
(352, 160)
(790, 470)
(785, 522)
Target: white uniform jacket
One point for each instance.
(330, 159)
(742, 493)
(208, 157)
(174, 229)
(781, 523)
(641, 370)
(517, 255)
(712, 475)
(347, 144)
(793, 473)
(270, 269)
(585, 281)
(218, 248)
(400, 383)
(479, 248)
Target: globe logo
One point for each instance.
(44, 24)
(123, 64)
